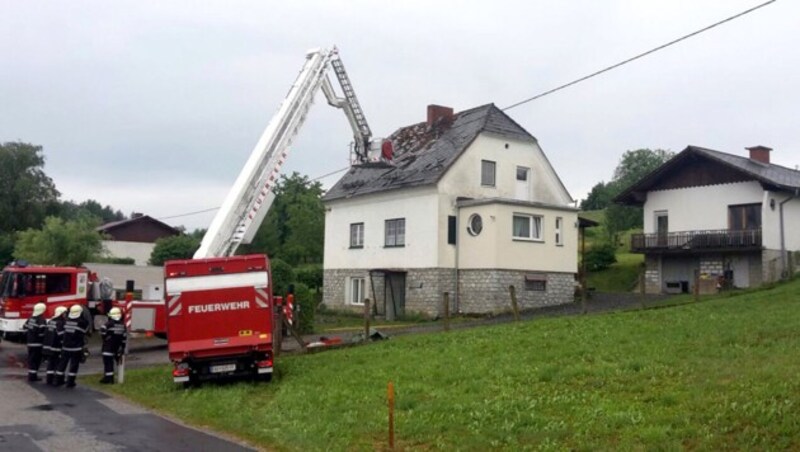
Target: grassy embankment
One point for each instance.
(719, 374)
(623, 275)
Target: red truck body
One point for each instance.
(219, 317)
(22, 286)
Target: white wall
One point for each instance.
(771, 222)
(139, 251)
(495, 246)
(418, 206)
(464, 176)
(699, 208)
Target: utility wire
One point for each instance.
(641, 55)
(215, 208)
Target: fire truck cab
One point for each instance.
(23, 285)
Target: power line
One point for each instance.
(653, 50)
(187, 214)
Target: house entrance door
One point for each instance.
(395, 295)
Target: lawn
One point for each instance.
(621, 276)
(717, 374)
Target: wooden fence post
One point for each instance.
(514, 305)
(277, 333)
(446, 306)
(696, 289)
(390, 395)
(366, 319)
(642, 282)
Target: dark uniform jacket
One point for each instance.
(114, 336)
(35, 327)
(54, 334)
(74, 333)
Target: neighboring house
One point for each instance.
(469, 205)
(722, 218)
(135, 238)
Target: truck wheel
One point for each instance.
(266, 378)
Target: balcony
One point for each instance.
(693, 241)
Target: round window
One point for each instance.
(475, 224)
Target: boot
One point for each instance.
(106, 380)
(70, 383)
(59, 380)
(33, 377)
(50, 380)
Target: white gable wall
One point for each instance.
(699, 208)
(418, 206)
(464, 176)
(771, 222)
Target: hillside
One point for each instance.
(718, 374)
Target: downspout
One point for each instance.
(455, 267)
(784, 270)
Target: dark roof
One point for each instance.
(768, 174)
(423, 153)
(143, 228)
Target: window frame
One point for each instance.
(484, 173)
(352, 298)
(559, 231)
(532, 218)
(473, 231)
(386, 228)
(355, 227)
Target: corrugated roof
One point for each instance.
(423, 153)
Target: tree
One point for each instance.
(632, 167)
(294, 229)
(60, 242)
(71, 210)
(174, 247)
(26, 193)
(599, 198)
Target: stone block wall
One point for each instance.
(652, 274)
(481, 291)
(711, 265)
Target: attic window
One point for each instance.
(488, 173)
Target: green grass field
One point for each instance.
(718, 374)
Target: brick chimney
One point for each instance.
(759, 153)
(439, 113)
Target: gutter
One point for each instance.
(455, 267)
(784, 270)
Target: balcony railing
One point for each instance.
(722, 239)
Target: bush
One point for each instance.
(283, 276)
(305, 307)
(600, 256)
(310, 275)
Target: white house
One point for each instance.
(135, 238)
(717, 216)
(469, 205)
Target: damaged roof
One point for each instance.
(423, 152)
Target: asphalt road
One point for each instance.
(37, 417)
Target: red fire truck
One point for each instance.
(220, 306)
(23, 285)
(220, 314)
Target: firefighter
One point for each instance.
(114, 336)
(75, 328)
(52, 342)
(35, 327)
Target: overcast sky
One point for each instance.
(154, 106)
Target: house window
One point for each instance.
(357, 235)
(356, 291)
(559, 240)
(396, 232)
(475, 225)
(487, 173)
(527, 227)
(744, 217)
(451, 230)
(536, 283)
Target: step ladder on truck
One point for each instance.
(219, 306)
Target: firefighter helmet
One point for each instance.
(115, 313)
(75, 311)
(39, 308)
(60, 310)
